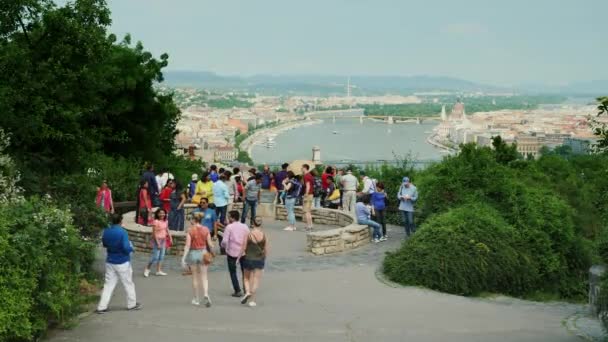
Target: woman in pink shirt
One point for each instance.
(104, 198)
(160, 239)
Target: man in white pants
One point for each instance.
(118, 265)
(349, 185)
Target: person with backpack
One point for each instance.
(292, 191)
(317, 189)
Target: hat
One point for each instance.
(406, 179)
(194, 177)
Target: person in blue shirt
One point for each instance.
(118, 265)
(209, 219)
(213, 173)
(363, 212)
(221, 198)
(407, 196)
(378, 200)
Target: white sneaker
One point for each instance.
(161, 273)
(146, 273)
(289, 229)
(376, 240)
(196, 302)
(252, 304)
(207, 301)
(384, 238)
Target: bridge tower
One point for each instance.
(390, 120)
(316, 155)
(444, 116)
(361, 119)
(418, 120)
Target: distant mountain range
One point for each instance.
(362, 85)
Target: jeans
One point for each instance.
(316, 202)
(246, 206)
(124, 273)
(233, 276)
(375, 226)
(408, 222)
(381, 218)
(158, 252)
(290, 204)
(281, 197)
(221, 213)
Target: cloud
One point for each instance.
(465, 30)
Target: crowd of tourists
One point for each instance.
(214, 222)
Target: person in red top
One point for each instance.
(329, 172)
(104, 198)
(198, 243)
(165, 196)
(144, 203)
(308, 184)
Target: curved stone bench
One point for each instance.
(346, 235)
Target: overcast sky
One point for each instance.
(493, 41)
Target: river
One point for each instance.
(367, 141)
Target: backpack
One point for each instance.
(296, 188)
(317, 188)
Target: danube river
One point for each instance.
(349, 140)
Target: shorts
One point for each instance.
(307, 203)
(195, 256)
(252, 264)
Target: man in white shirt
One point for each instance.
(350, 184)
(369, 187)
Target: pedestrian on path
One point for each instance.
(379, 201)
(234, 235)
(161, 240)
(317, 190)
(252, 197)
(104, 198)
(408, 195)
(350, 185)
(221, 193)
(292, 191)
(118, 265)
(198, 244)
(363, 217)
(253, 259)
(144, 203)
(177, 215)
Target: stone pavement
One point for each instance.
(317, 298)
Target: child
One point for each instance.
(161, 239)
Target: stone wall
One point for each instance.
(345, 236)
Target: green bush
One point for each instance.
(466, 251)
(42, 258)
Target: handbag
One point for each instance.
(208, 257)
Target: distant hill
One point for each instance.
(583, 88)
(323, 84)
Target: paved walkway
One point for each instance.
(308, 298)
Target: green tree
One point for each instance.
(600, 129)
(505, 153)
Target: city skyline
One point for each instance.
(498, 43)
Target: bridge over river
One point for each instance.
(358, 113)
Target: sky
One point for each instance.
(501, 42)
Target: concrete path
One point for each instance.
(308, 298)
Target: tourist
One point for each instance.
(369, 185)
(273, 184)
(209, 218)
(104, 198)
(266, 177)
(332, 197)
(308, 187)
(144, 203)
(252, 197)
(350, 185)
(278, 180)
(239, 189)
(379, 200)
(317, 190)
(161, 240)
(177, 213)
(213, 176)
(150, 177)
(338, 180)
(407, 196)
(204, 188)
(165, 196)
(329, 172)
(192, 186)
(251, 174)
(254, 253)
(292, 191)
(363, 217)
(234, 235)
(229, 180)
(118, 264)
(198, 245)
(222, 197)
